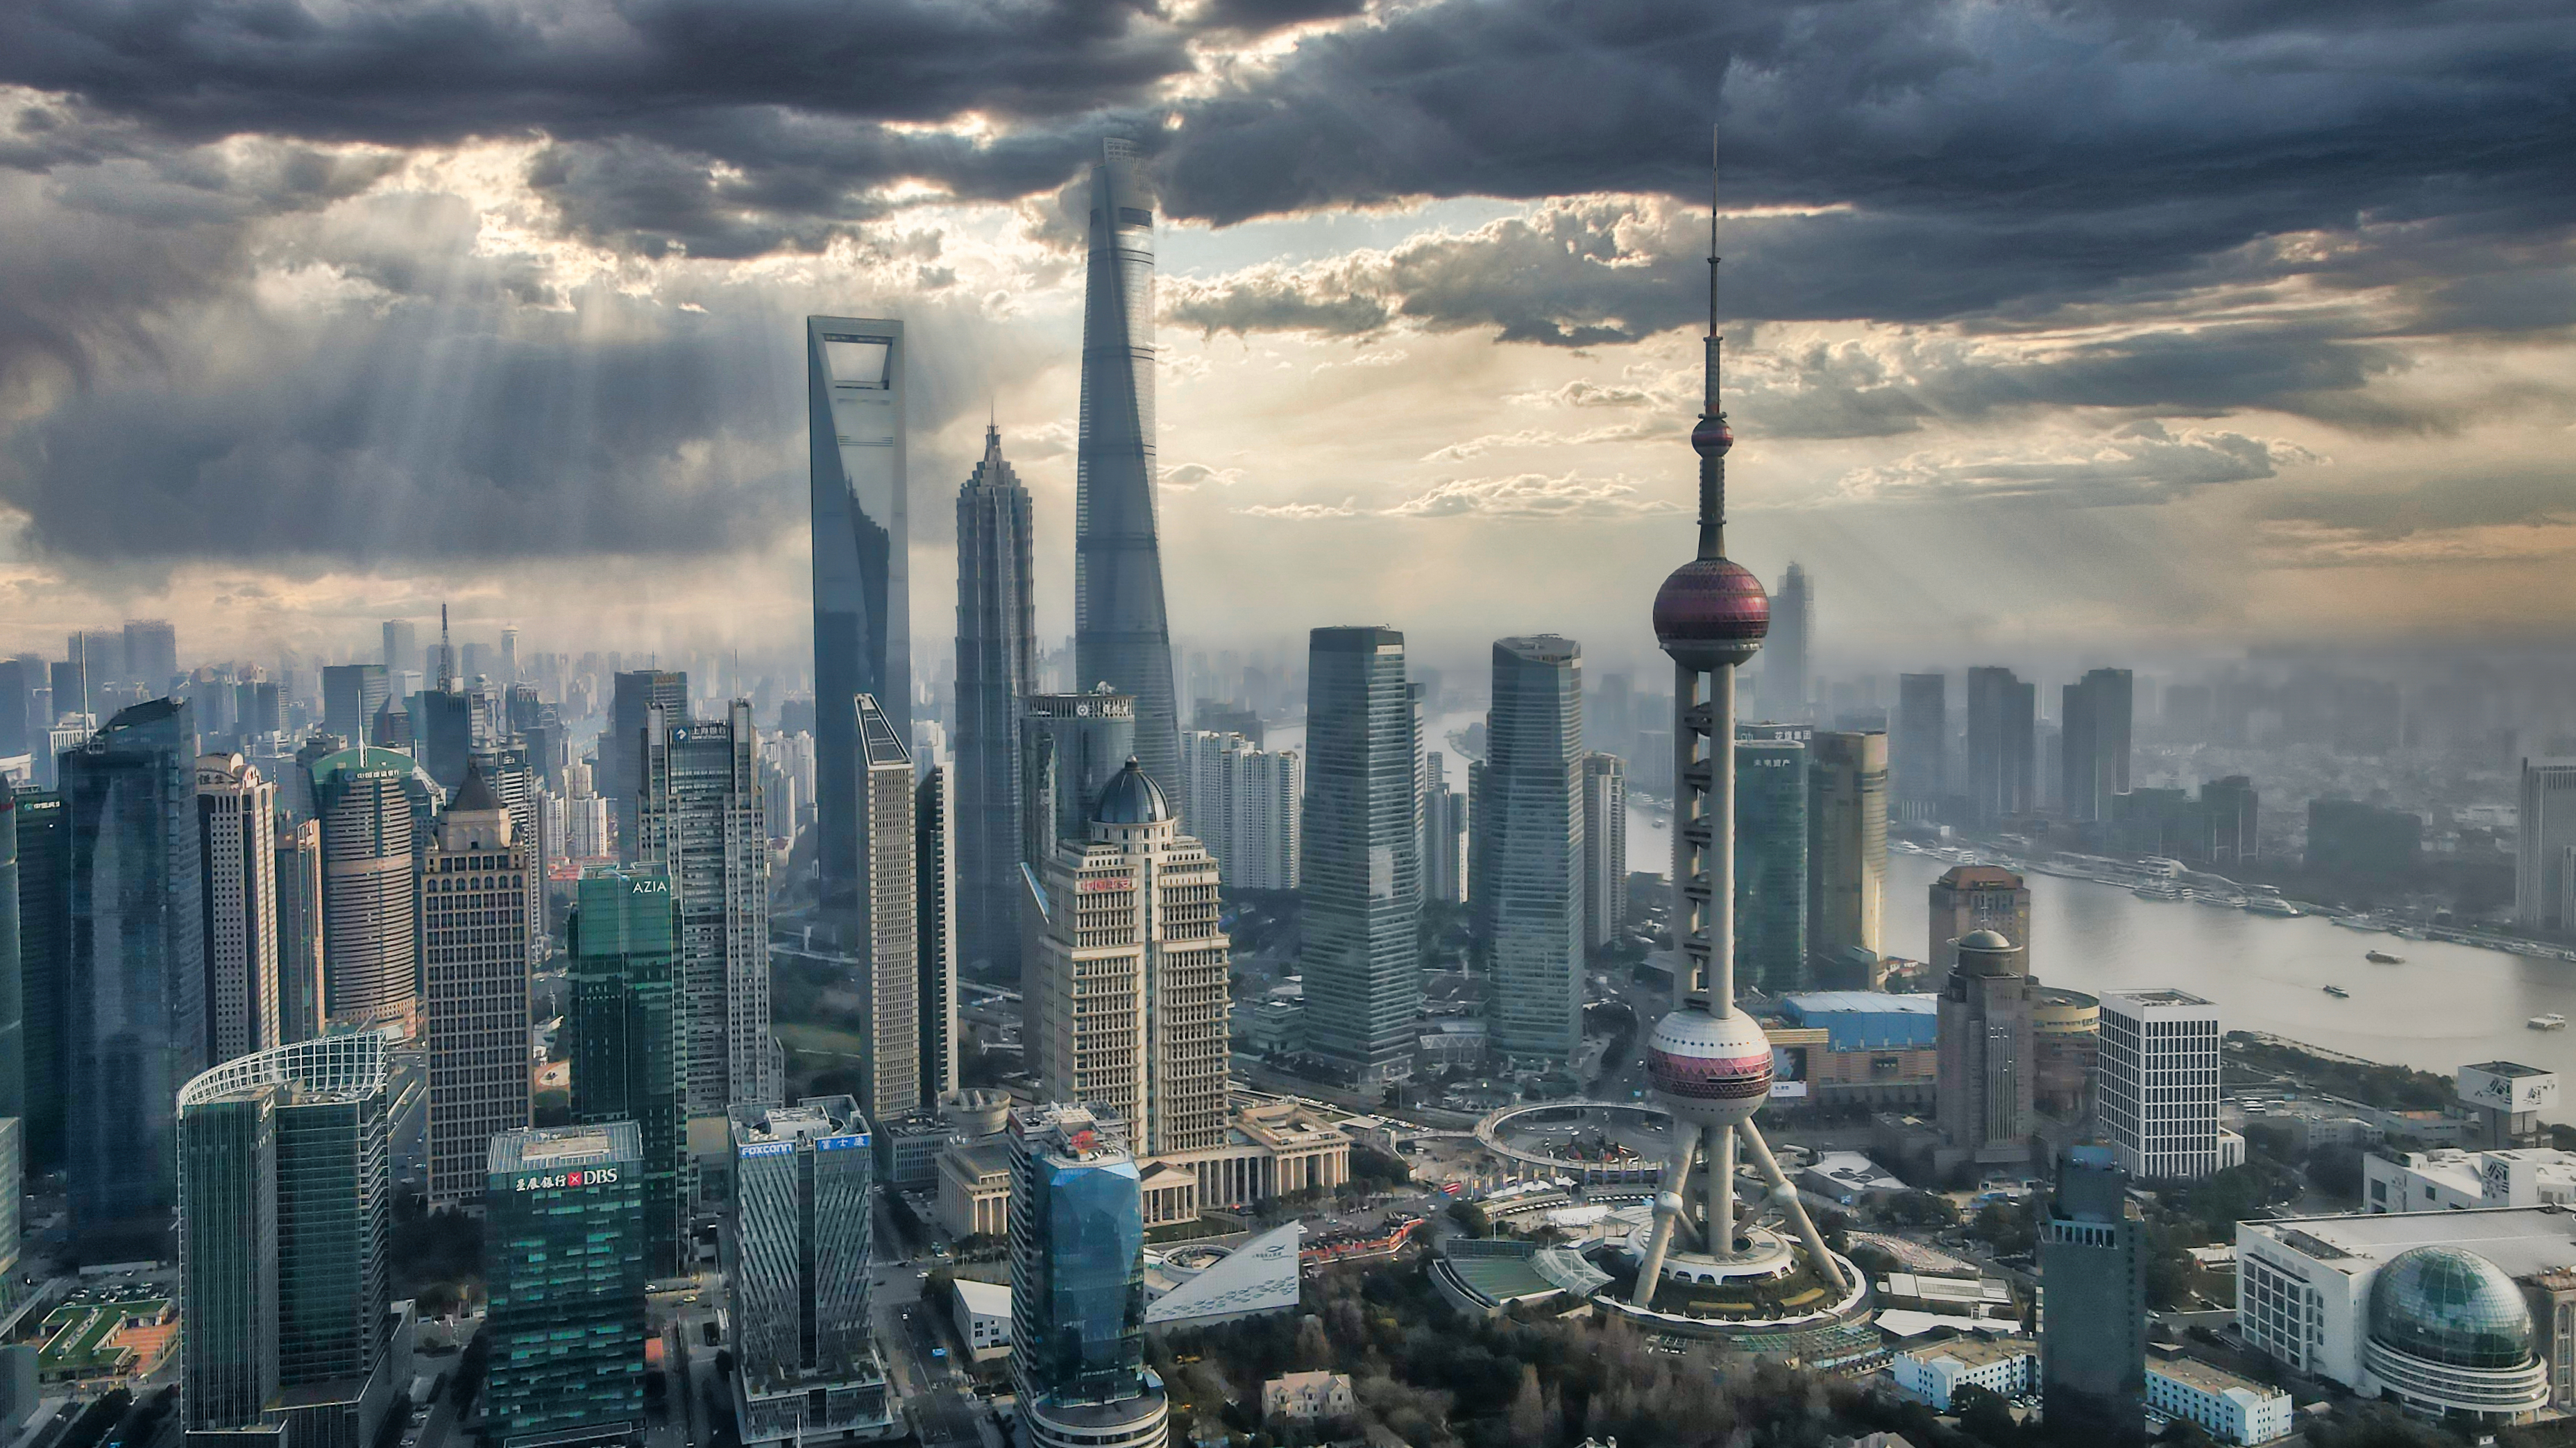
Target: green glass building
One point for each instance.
(628, 1054)
(563, 1262)
(285, 1190)
(1771, 865)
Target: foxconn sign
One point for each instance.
(598, 1176)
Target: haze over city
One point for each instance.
(2058, 330)
(1287, 724)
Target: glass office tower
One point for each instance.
(136, 999)
(854, 386)
(626, 1045)
(563, 1262)
(805, 1366)
(1078, 1284)
(1361, 867)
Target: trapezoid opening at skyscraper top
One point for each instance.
(854, 370)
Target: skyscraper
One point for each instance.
(796, 1242)
(564, 1263)
(1987, 1068)
(401, 646)
(1071, 746)
(285, 1190)
(1126, 996)
(621, 749)
(474, 975)
(1784, 652)
(151, 655)
(1846, 841)
(1444, 836)
(1120, 634)
(997, 672)
(13, 993)
(886, 942)
(626, 1045)
(2157, 1093)
(300, 989)
(1605, 845)
(370, 939)
(2093, 1336)
(1078, 1284)
(45, 970)
(1360, 870)
(352, 694)
(2544, 858)
(1247, 806)
(854, 398)
(1771, 799)
(1529, 905)
(136, 999)
(1970, 898)
(2094, 716)
(21, 732)
(2002, 761)
(237, 844)
(934, 862)
(702, 822)
(1919, 755)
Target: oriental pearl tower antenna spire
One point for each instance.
(1710, 1063)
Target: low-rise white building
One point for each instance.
(1307, 1398)
(982, 1312)
(2007, 1366)
(2433, 1309)
(2450, 1181)
(2233, 1409)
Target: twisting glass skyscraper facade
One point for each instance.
(854, 378)
(1121, 636)
(997, 671)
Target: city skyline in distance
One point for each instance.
(1403, 380)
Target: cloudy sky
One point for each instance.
(2076, 329)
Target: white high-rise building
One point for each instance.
(1605, 848)
(2544, 871)
(700, 818)
(2158, 1092)
(237, 848)
(1246, 804)
(1126, 995)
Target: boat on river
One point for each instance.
(2338, 992)
(2382, 957)
(2550, 1022)
(2271, 905)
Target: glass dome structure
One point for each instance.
(2451, 1307)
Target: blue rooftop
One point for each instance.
(1861, 1020)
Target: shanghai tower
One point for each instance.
(862, 584)
(1120, 634)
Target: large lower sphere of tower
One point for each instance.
(1709, 1070)
(1711, 614)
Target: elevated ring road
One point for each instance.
(1641, 1170)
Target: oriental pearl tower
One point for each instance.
(1709, 1063)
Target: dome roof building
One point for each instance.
(1132, 798)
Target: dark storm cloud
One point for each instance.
(2527, 497)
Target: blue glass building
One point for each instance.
(1078, 1284)
(626, 1044)
(1771, 865)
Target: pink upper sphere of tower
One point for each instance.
(1712, 437)
(1709, 1068)
(1711, 613)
